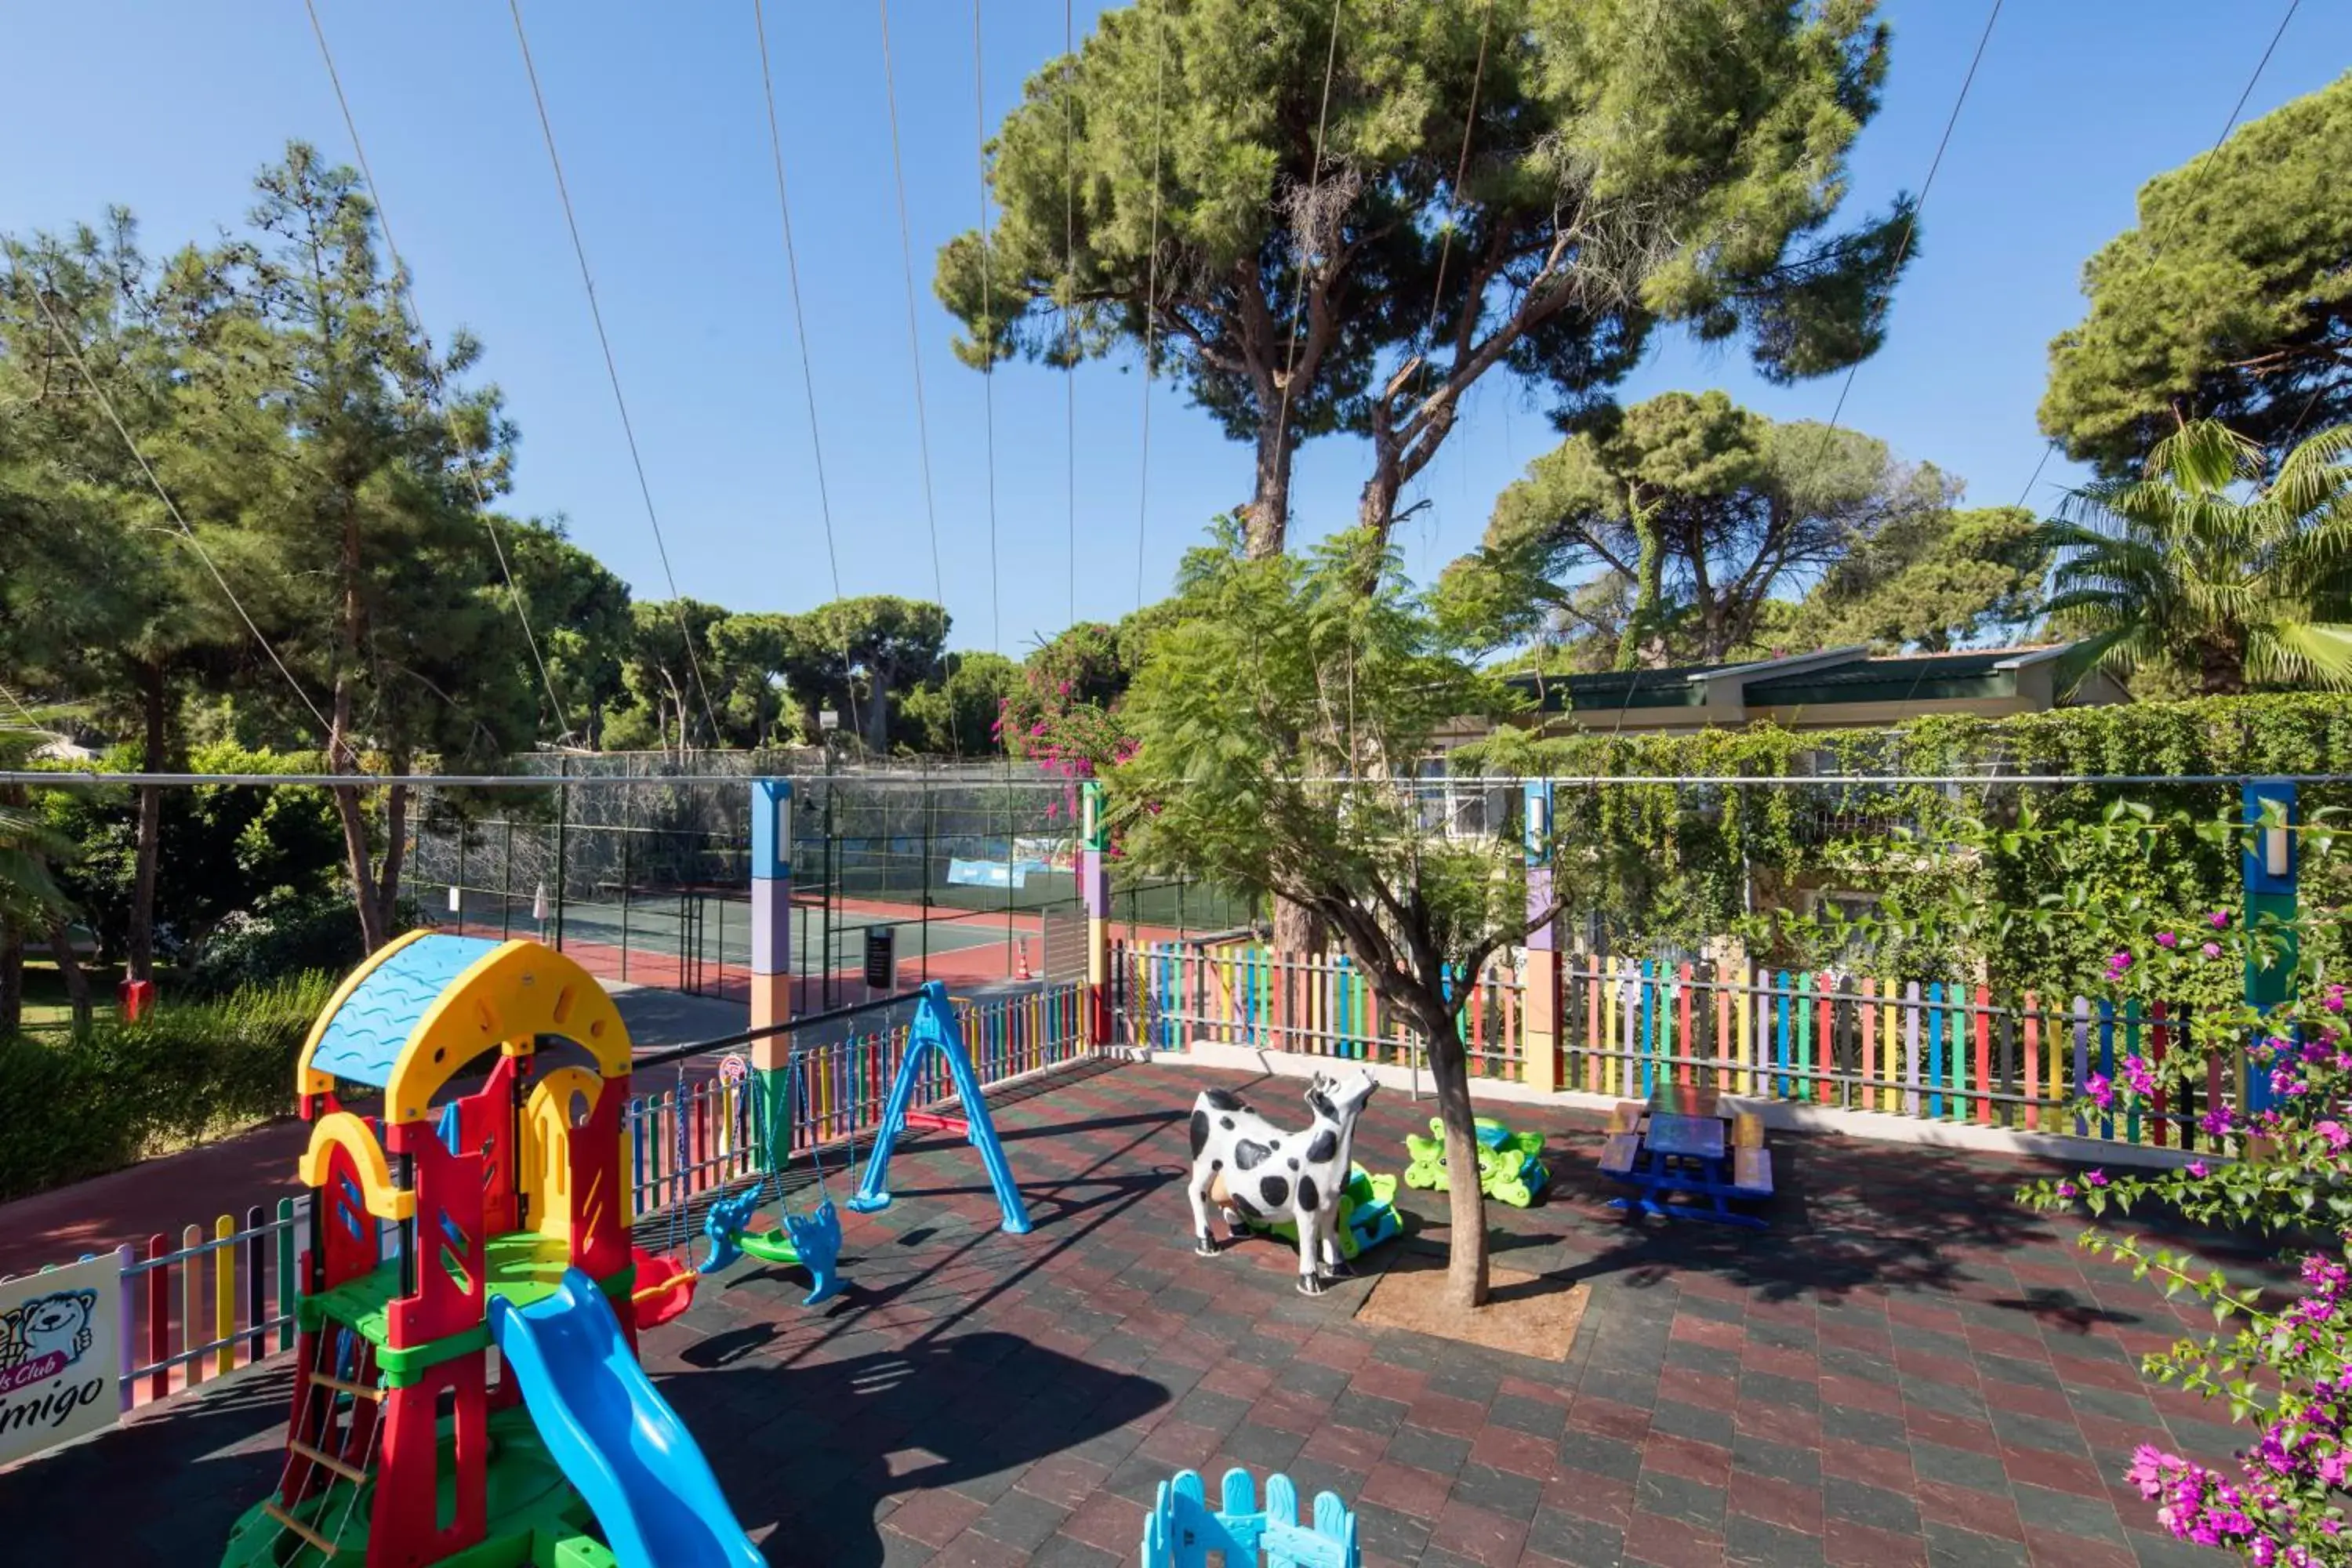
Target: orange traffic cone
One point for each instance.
(1021, 950)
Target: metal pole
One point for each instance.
(924, 813)
(562, 821)
(832, 884)
(407, 1226)
(1008, 864)
(505, 887)
(625, 902)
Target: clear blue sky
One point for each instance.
(170, 108)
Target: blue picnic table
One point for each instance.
(1679, 1160)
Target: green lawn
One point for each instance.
(45, 1006)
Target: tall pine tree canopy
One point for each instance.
(1706, 509)
(2230, 299)
(1625, 164)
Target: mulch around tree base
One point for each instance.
(1525, 1314)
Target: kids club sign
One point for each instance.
(59, 1351)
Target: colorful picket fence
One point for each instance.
(202, 1301)
(1934, 1050)
(1938, 1051)
(701, 1135)
(1174, 993)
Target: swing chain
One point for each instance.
(680, 1181)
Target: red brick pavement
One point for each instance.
(978, 1398)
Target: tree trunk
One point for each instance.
(1265, 521)
(2222, 666)
(140, 944)
(1649, 577)
(1297, 929)
(1449, 1075)
(395, 848)
(70, 969)
(358, 864)
(351, 812)
(341, 752)
(1376, 506)
(12, 977)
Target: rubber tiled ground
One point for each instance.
(1904, 1369)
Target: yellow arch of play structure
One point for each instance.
(343, 1129)
(502, 994)
(545, 1179)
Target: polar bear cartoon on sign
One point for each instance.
(1250, 1169)
(55, 1323)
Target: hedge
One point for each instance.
(76, 1106)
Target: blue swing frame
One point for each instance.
(935, 1029)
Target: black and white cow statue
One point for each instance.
(1250, 1169)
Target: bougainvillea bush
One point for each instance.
(2280, 1170)
(1065, 718)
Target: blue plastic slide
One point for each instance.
(616, 1438)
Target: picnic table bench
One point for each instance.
(1683, 1156)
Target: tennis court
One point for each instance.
(717, 929)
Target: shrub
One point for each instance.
(222, 850)
(2284, 1369)
(74, 1106)
(296, 935)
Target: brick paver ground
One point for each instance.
(1904, 1369)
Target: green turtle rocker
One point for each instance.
(1368, 1215)
(1509, 1168)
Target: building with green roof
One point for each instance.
(1836, 689)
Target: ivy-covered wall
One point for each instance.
(1686, 865)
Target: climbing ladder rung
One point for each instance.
(356, 1390)
(288, 1521)
(329, 1461)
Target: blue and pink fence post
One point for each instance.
(771, 931)
(1094, 888)
(1539, 1021)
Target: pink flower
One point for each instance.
(2218, 920)
(2147, 1469)
(2212, 950)
(2199, 1169)
(2097, 1087)
(2165, 938)
(2140, 1076)
(2339, 1139)
(2333, 1000)
(2096, 1178)
(2068, 1189)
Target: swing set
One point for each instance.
(666, 1284)
(812, 1241)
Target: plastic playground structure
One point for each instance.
(1181, 1531)
(1510, 1164)
(504, 1178)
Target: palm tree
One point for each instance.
(2196, 567)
